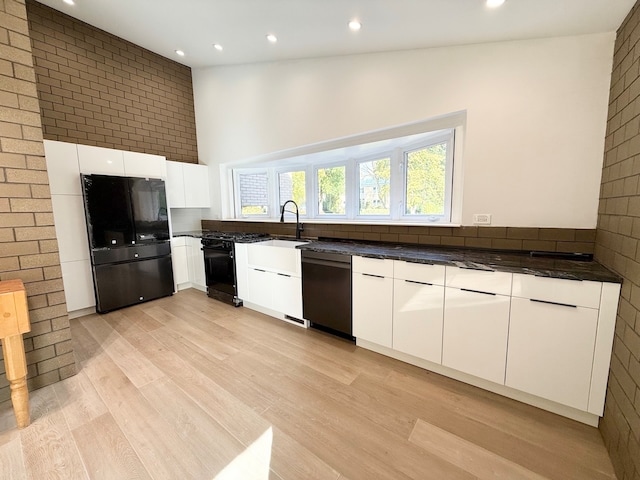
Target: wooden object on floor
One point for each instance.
(14, 321)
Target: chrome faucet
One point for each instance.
(299, 226)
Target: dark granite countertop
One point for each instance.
(489, 260)
(190, 233)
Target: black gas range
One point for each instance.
(219, 263)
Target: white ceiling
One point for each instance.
(317, 28)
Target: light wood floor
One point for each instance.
(188, 388)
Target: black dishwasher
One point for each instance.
(326, 291)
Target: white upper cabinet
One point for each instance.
(144, 165)
(196, 186)
(175, 185)
(62, 165)
(105, 161)
(187, 185)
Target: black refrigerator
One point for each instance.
(128, 231)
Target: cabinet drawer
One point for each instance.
(557, 290)
(373, 266)
(419, 272)
(479, 280)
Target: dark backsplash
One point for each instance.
(502, 238)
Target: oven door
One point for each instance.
(219, 269)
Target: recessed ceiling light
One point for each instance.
(272, 38)
(355, 25)
(217, 46)
(180, 52)
(494, 3)
(69, 2)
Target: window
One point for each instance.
(253, 193)
(292, 186)
(332, 190)
(374, 191)
(425, 180)
(374, 177)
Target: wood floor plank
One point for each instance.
(328, 366)
(446, 415)
(153, 439)
(559, 436)
(269, 368)
(139, 317)
(8, 425)
(106, 452)
(246, 392)
(534, 425)
(200, 432)
(210, 340)
(47, 444)
(290, 460)
(476, 460)
(135, 366)
(11, 461)
(79, 400)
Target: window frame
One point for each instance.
(237, 203)
(449, 138)
(277, 172)
(383, 154)
(393, 143)
(316, 189)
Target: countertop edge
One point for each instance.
(587, 270)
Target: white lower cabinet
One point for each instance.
(179, 261)
(260, 291)
(418, 310)
(195, 258)
(476, 327)
(372, 303)
(275, 291)
(78, 285)
(551, 350)
(287, 294)
(188, 263)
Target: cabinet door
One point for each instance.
(551, 351)
(196, 186)
(70, 226)
(287, 295)
(260, 287)
(175, 185)
(418, 310)
(78, 284)
(196, 262)
(144, 165)
(180, 263)
(241, 263)
(100, 160)
(373, 308)
(63, 169)
(475, 333)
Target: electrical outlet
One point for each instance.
(482, 219)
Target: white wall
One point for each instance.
(536, 117)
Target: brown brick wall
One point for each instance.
(617, 246)
(98, 89)
(501, 238)
(28, 246)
